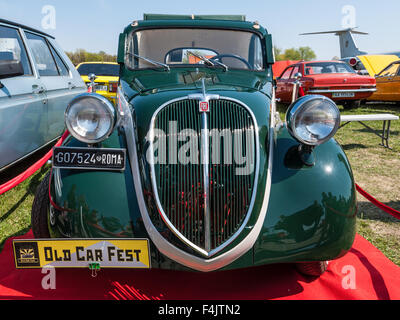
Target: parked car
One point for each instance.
(193, 165)
(388, 83)
(106, 73)
(37, 80)
(333, 79)
(369, 64)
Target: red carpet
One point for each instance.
(375, 277)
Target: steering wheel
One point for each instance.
(229, 55)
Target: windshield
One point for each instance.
(183, 47)
(99, 69)
(327, 67)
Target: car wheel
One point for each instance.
(352, 104)
(315, 268)
(41, 209)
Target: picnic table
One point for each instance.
(361, 118)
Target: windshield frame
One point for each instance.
(178, 66)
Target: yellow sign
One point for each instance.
(79, 253)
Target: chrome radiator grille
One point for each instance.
(204, 200)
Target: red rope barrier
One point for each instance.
(32, 169)
(380, 205)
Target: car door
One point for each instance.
(282, 85)
(22, 102)
(56, 78)
(388, 84)
(290, 82)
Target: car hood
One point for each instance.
(190, 79)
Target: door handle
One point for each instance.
(71, 85)
(37, 89)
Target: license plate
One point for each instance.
(80, 253)
(89, 158)
(343, 95)
(101, 88)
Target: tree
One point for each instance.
(302, 53)
(81, 55)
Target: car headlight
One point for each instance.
(313, 119)
(90, 118)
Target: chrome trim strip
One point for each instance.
(167, 248)
(206, 180)
(346, 90)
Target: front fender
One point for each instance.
(100, 204)
(312, 210)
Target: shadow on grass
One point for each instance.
(367, 210)
(16, 234)
(33, 184)
(351, 146)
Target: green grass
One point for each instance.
(15, 207)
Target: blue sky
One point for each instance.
(95, 24)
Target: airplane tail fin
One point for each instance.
(348, 47)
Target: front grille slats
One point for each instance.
(181, 186)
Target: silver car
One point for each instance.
(37, 80)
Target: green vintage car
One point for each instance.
(194, 160)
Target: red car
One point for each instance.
(333, 79)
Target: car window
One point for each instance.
(99, 69)
(296, 70)
(12, 48)
(286, 73)
(62, 68)
(236, 49)
(328, 67)
(42, 55)
(390, 70)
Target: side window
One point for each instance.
(42, 55)
(398, 70)
(286, 73)
(12, 48)
(296, 70)
(62, 68)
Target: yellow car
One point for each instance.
(107, 75)
(388, 83)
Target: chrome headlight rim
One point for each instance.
(108, 107)
(298, 106)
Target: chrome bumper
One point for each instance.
(345, 90)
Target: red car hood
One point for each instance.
(340, 78)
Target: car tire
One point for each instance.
(352, 104)
(314, 269)
(40, 210)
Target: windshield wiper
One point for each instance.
(156, 63)
(211, 63)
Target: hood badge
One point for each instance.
(204, 106)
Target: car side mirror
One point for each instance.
(298, 76)
(92, 77)
(11, 68)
